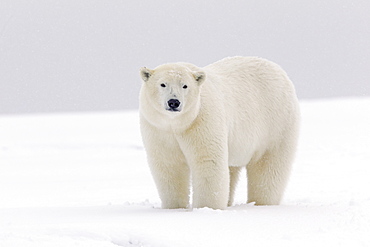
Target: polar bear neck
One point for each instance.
(184, 122)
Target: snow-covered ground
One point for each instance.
(81, 179)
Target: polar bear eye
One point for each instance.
(163, 85)
(185, 87)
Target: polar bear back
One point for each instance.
(259, 102)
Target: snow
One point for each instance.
(81, 179)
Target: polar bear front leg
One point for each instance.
(210, 184)
(205, 147)
(208, 162)
(172, 181)
(168, 166)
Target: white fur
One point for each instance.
(238, 112)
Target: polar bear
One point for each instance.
(208, 123)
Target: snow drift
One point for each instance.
(81, 179)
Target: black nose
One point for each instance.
(173, 104)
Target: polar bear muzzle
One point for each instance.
(173, 105)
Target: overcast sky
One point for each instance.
(85, 55)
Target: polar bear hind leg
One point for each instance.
(268, 177)
(234, 177)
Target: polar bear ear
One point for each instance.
(146, 73)
(199, 76)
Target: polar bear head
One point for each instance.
(172, 88)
